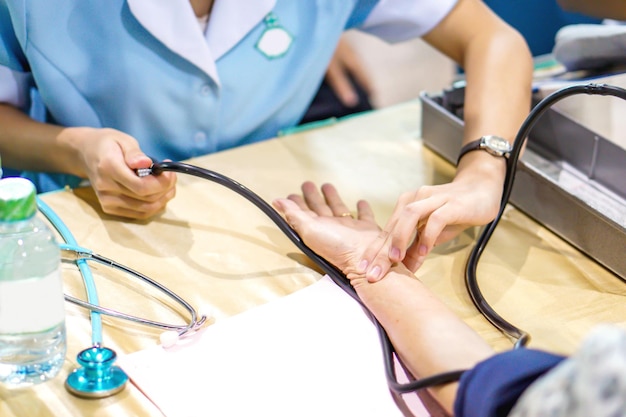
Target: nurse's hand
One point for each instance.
(110, 158)
(344, 67)
(325, 225)
(436, 214)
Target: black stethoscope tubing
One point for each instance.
(471, 279)
(521, 337)
(336, 275)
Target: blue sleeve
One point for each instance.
(362, 9)
(492, 388)
(11, 53)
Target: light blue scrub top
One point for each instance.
(138, 66)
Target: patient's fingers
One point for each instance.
(314, 199)
(365, 212)
(336, 204)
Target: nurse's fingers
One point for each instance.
(399, 235)
(121, 205)
(149, 188)
(412, 218)
(376, 247)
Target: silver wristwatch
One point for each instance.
(495, 145)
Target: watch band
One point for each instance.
(494, 145)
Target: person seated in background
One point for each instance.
(121, 82)
(595, 48)
(523, 17)
(606, 9)
(430, 339)
(346, 88)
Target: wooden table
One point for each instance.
(213, 247)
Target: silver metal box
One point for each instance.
(570, 179)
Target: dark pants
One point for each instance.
(326, 104)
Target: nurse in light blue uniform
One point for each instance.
(119, 81)
(145, 67)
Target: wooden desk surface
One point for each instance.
(214, 248)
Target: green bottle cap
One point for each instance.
(17, 199)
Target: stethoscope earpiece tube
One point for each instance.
(195, 319)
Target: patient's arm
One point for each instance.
(427, 335)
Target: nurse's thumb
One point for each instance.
(133, 156)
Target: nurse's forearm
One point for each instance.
(26, 144)
(498, 91)
(498, 85)
(427, 335)
(498, 70)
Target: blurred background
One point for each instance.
(399, 72)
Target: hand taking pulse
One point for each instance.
(344, 65)
(436, 214)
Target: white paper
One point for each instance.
(312, 353)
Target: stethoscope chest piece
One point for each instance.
(97, 377)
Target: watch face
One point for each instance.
(498, 144)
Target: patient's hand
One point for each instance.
(325, 225)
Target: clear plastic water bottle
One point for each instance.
(32, 310)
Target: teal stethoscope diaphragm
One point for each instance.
(96, 377)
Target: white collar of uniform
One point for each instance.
(174, 24)
(231, 20)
